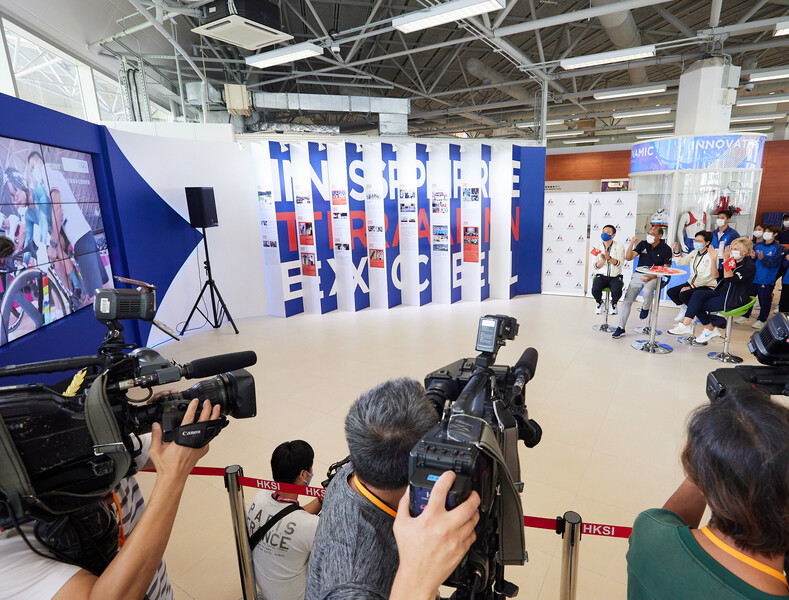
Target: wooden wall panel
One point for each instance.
(774, 194)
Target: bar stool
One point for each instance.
(605, 327)
(724, 356)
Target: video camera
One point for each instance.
(63, 448)
(770, 346)
(482, 416)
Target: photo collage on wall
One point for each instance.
(49, 208)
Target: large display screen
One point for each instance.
(49, 207)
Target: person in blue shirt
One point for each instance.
(783, 303)
(724, 235)
(768, 255)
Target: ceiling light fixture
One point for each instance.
(769, 74)
(630, 91)
(641, 112)
(749, 129)
(445, 13)
(284, 55)
(781, 28)
(561, 134)
(582, 140)
(757, 118)
(648, 126)
(606, 58)
(757, 100)
(654, 136)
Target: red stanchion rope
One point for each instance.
(614, 531)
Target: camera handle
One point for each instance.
(196, 435)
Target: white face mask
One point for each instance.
(720, 222)
(768, 236)
(786, 223)
(736, 254)
(759, 233)
(650, 239)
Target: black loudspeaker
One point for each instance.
(202, 207)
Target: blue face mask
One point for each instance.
(606, 236)
(699, 246)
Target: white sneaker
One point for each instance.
(681, 329)
(599, 309)
(707, 335)
(614, 309)
(758, 324)
(741, 320)
(681, 316)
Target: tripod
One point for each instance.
(219, 312)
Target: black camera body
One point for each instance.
(483, 415)
(65, 447)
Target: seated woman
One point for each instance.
(732, 291)
(736, 462)
(701, 276)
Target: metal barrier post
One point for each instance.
(238, 516)
(571, 536)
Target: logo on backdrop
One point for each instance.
(550, 226)
(607, 214)
(548, 272)
(550, 202)
(596, 226)
(582, 213)
(579, 262)
(597, 202)
(581, 237)
(571, 226)
(619, 201)
(578, 286)
(570, 250)
(548, 249)
(630, 214)
(557, 284)
(559, 261)
(572, 202)
(561, 214)
(559, 238)
(568, 274)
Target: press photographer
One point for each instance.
(68, 453)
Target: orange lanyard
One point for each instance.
(372, 497)
(752, 562)
(121, 534)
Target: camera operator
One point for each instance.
(280, 551)
(28, 573)
(355, 552)
(736, 460)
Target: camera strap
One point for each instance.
(259, 534)
(103, 427)
(196, 435)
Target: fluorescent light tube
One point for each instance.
(648, 126)
(749, 129)
(582, 140)
(556, 121)
(769, 74)
(605, 58)
(445, 13)
(781, 28)
(561, 134)
(757, 100)
(757, 118)
(630, 91)
(641, 112)
(284, 55)
(654, 136)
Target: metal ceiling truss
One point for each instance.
(524, 42)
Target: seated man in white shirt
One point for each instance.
(609, 259)
(280, 557)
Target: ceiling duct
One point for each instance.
(488, 76)
(621, 29)
(248, 24)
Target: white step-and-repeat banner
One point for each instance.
(573, 223)
(351, 225)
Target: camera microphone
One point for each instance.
(524, 370)
(161, 372)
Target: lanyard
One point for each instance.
(372, 497)
(742, 558)
(121, 533)
(279, 498)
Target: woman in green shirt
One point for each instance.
(736, 461)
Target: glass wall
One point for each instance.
(108, 93)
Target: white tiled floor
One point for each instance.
(612, 417)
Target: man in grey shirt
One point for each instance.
(354, 555)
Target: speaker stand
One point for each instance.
(218, 306)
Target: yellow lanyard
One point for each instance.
(741, 557)
(372, 497)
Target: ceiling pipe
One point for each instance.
(488, 76)
(176, 8)
(715, 12)
(621, 29)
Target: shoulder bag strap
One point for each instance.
(255, 538)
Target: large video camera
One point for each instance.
(770, 346)
(482, 416)
(63, 448)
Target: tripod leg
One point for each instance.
(194, 308)
(223, 305)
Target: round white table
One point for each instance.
(651, 346)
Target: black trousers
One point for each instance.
(678, 297)
(783, 303)
(600, 282)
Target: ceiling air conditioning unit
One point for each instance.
(249, 24)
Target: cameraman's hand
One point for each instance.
(431, 545)
(171, 460)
